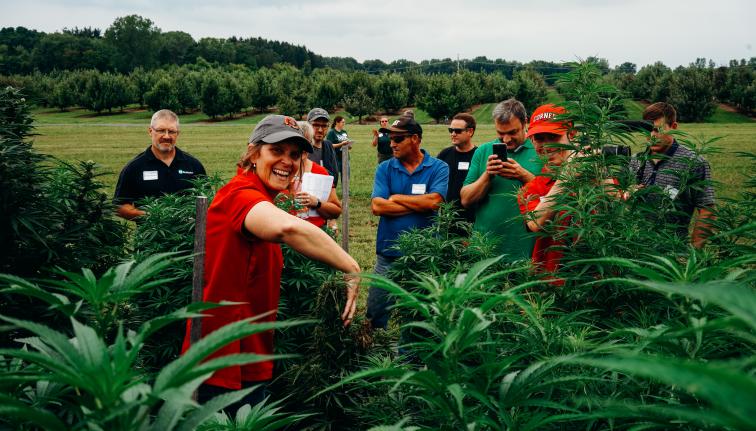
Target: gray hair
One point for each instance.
(164, 114)
(307, 130)
(504, 111)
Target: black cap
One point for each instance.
(316, 113)
(407, 124)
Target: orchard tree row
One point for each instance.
(224, 91)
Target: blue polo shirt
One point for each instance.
(391, 178)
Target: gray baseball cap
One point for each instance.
(277, 128)
(318, 113)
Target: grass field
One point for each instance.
(111, 141)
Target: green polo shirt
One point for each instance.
(498, 213)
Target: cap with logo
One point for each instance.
(278, 128)
(317, 113)
(544, 120)
(407, 124)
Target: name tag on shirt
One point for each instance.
(149, 175)
(418, 189)
(463, 166)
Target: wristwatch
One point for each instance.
(319, 204)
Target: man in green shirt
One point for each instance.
(492, 185)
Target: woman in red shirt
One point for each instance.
(243, 259)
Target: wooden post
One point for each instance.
(200, 222)
(345, 198)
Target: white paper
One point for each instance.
(463, 166)
(318, 186)
(418, 189)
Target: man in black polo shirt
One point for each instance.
(161, 169)
(458, 157)
(673, 174)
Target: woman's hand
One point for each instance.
(306, 199)
(353, 291)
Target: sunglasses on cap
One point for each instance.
(457, 131)
(399, 138)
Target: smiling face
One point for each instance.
(277, 164)
(164, 134)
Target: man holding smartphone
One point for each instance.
(493, 181)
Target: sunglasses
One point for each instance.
(457, 131)
(399, 138)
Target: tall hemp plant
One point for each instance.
(77, 377)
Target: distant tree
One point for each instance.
(175, 48)
(496, 87)
(626, 67)
(63, 94)
(647, 84)
(392, 93)
(216, 50)
(66, 51)
(214, 95)
(359, 103)
(437, 99)
(163, 95)
(263, 89)
(235, 100)
(327, 89)
(416, 85)
(135, 40)
(142, 82)
(691, 93)
(530, 88)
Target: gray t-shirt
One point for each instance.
(317, 155)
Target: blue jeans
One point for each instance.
(379, 300)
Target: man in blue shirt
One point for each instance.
(406, 194)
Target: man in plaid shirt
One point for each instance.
(674, 176)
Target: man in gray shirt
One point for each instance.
(675, 175)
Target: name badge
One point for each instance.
(418, 189)
(463, 166)
(671, 191)
(149, 175)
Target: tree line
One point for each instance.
(220, 91)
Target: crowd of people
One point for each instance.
(503, 187)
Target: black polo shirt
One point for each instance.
(147, 176)
(459, 165)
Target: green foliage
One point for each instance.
(263, 90)
(691, 92)
(530, 88)
(359, 103)
(392, 92)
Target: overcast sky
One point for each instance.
(640, 31)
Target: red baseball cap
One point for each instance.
(542, 121)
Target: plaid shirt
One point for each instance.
(680, 176)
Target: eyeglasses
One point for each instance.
(398, 139)
(170, 132)
(457, 131)
(384, 121)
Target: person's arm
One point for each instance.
(702, 227)
(269, 223)
(544, 210)
(385, 207)
(472, 193)
(129, 211)
(375, 138)
(418, 203)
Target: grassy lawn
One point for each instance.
(218, 146)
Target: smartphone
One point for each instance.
(501, 151)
